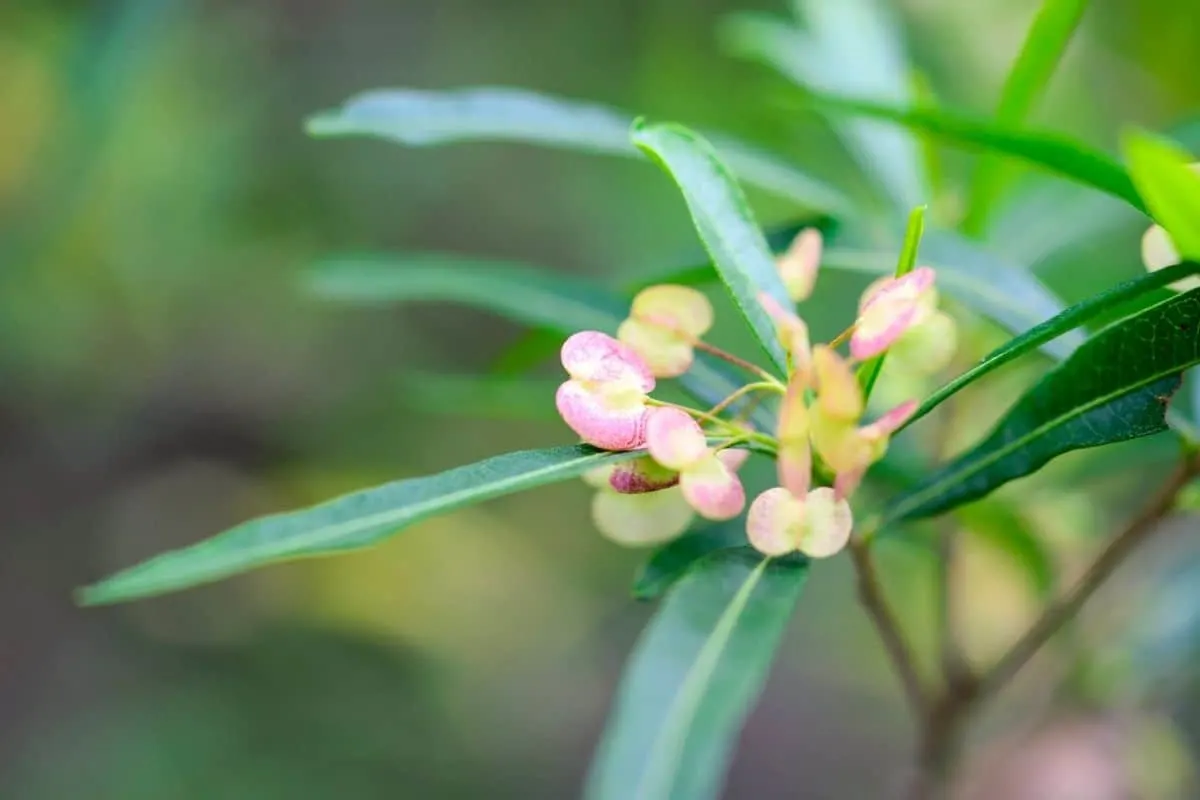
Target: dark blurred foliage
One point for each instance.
(164, 378)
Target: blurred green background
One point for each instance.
(163, 378)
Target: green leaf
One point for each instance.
(1047, 217)
(1069, 319)
(420, 118)
(1172, 190)
(851, 48)
(701, 271)
(1115, 387)
(345, 523)
(868, 373)
(1054, 152)
(530, 296)
(697, 670)
(533, 297)
(668, 563)
(725, 224)
(1044, 46)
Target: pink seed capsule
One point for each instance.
(641, 475)
(775, 522)
(889, 308)
(828, 522)
(712, 489)
(596, 357)
(663, 325)
(678, 309)
(674, 439)
(612, 421)
(641, 520)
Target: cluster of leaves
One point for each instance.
(702, 661)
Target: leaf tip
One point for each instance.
(643, 589)
(323, 124)
(90, 596)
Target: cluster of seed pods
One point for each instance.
(692, 456)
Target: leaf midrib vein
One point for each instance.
(667, 748)
(917, 500)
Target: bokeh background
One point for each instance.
(163, 377)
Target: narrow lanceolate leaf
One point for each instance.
(491, 113)
(1115, 387)
(1044, 46)
(530, 296)
(697, 671)
(668, 563)
(723, 219)
(1074, 317)
(851, 48)
(1172, 190)
(868, 373)
(345, 523)
(534, 297)
(1047, 218)
(1053, 152)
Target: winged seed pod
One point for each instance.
(664, 323)
(605, 399)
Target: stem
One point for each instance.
(870, 593)
(843, 336)
(748, 409)
(742, 392)
(695, 412)
(736, 361)
(943, 721)
(954, 666)
(735, 431)
(950, 656)
(1058, 614)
